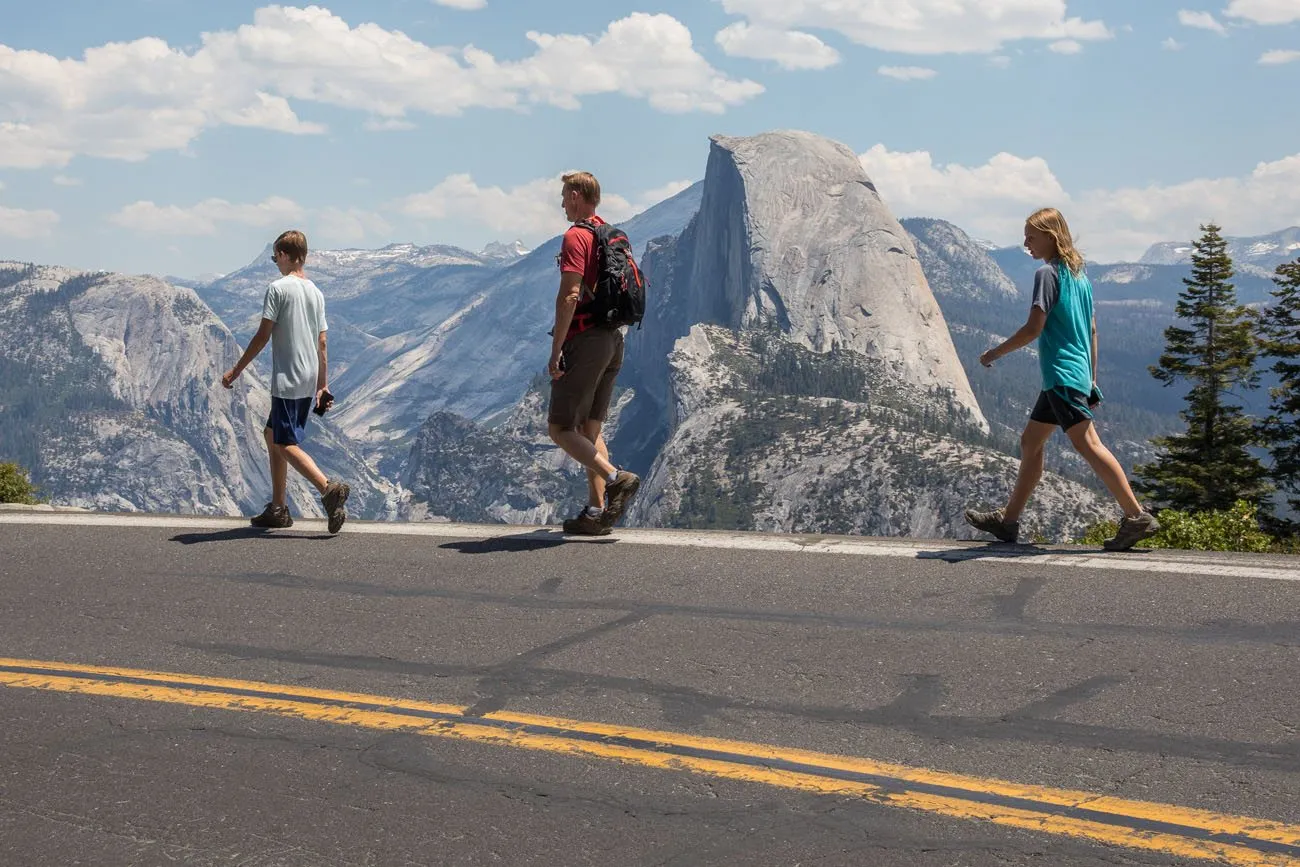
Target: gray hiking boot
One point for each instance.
(586, 525)
(1133, 530)
(273, 517)
(617, 495)
(334, 498)
(995, 523)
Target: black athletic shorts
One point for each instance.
(1061, 406)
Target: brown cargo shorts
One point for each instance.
(592, 361)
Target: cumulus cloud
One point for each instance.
(1201, 21)
(65, 181)
(27, 225)
(145, 217)
(925, 26)
(907, 73)
(1171, 44)
(993, 199)
(1264, 11)
(463, 4)
(530, 210)
(1277, 58)
(1066, 46)
(126, 100)
(791, 49)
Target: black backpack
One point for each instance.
(620, 286)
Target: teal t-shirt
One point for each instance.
(1065, 346)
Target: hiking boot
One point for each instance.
(273, 517)
(618, 494)
(586, 525)
(336, 494)
(1133, 530)
(995, 523)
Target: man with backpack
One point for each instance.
(601, 290)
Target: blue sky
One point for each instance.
(178, 137)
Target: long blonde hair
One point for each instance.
(1051, 221)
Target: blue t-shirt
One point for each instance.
(1065, 346)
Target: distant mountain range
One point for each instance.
(809, 363)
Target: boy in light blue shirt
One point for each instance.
(1061, 320)
(293, 320)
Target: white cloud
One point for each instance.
(463, 4)
(1171, 44)
(530, 211)
(907, 73)
(126, 100)
(1264, 11)
(1277, 58)
(65, 181)
(791, 49)
(145, 217)
(925, 26)
(27, 225)
(993, 200)
(1201, 21)
(1001, 61)
(343, 226)
(1066, 46)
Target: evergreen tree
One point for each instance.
(1280, 341)
(1213, 349)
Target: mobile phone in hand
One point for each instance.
(323, 403)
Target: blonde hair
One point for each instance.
(586, 185)
(1050, 221)
(294, 244)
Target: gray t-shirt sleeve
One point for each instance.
(321, 324)
(271, 304)
(1047, 288)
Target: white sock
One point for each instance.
(594, 511)
(612, 477)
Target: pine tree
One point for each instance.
(1212, 348)
(1280, 341)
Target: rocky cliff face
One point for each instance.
(801, 444)
(112, 396)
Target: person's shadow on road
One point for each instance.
(1009, 551)
(532, 541)
(241, 533)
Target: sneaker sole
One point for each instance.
(338, 514)
(616, 507)
(1146, 534)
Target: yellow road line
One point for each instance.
(1165, 828)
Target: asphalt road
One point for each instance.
(191, 693)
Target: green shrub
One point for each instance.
(1235, 529)
(15, 487)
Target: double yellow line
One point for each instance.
(1164, 828)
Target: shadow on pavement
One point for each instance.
(532, 541)
(1008, 551)
(242, 533)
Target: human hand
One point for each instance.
(556, 365)
(988, 358)
(228, 378)
(324, 401)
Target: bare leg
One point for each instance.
(576, 445)
(1088, 444)
(279, 470)
(303, 463)
(596, 481)
(1033, 443)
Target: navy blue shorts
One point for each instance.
(288, 420)
(1063, 406)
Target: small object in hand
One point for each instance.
(323, 402)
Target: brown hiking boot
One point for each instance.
(1131, 531)
(336, 494)
(994, 523)
(273, 517)
(618, 494)
(585, 525)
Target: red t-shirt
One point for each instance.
(578, 256)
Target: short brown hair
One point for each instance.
(586, 185)
(292, 243)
